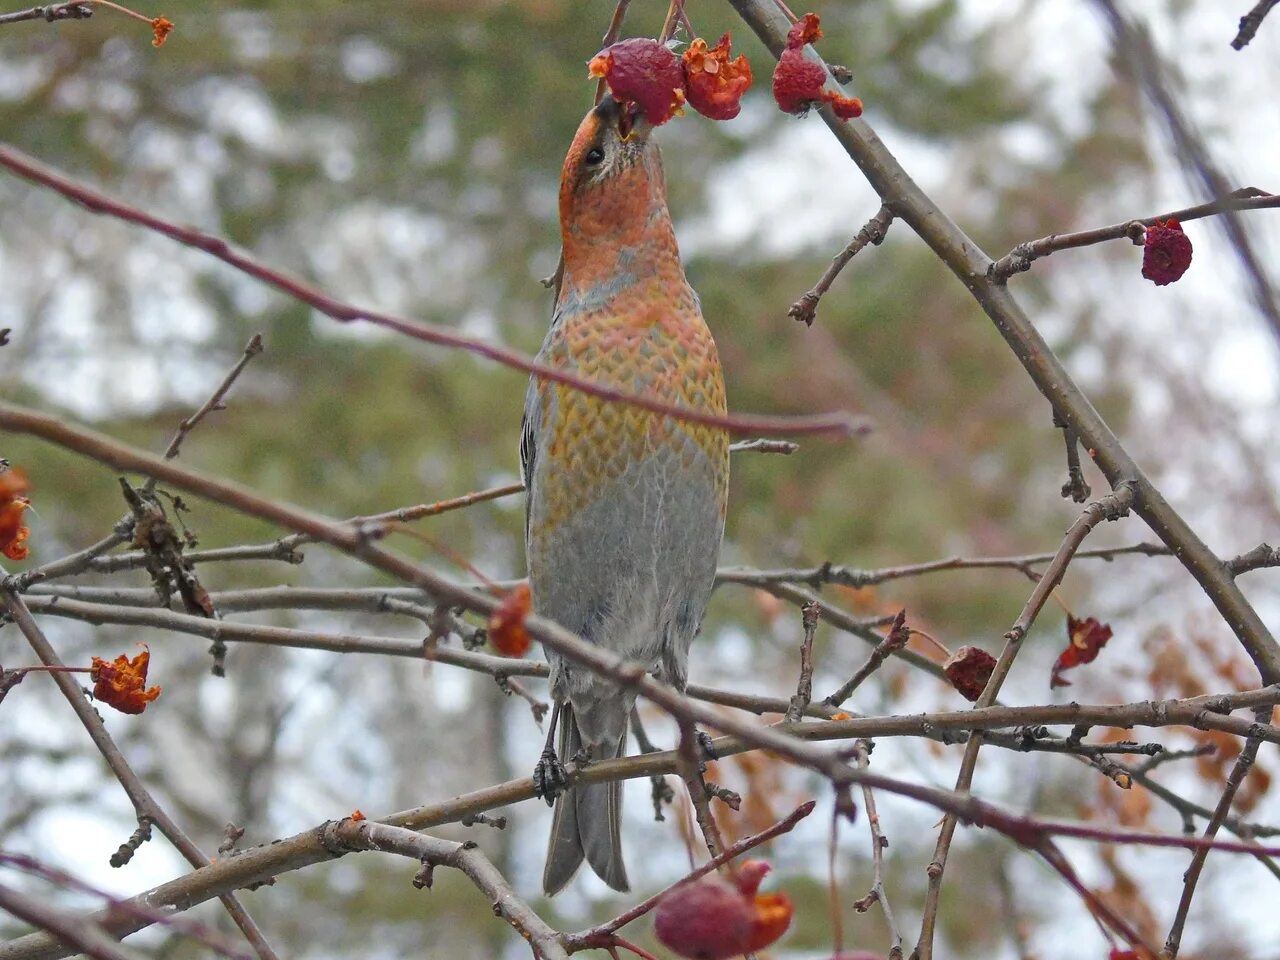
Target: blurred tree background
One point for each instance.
(406, 156)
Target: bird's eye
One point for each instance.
(594, 156)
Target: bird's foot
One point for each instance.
(662, 795)
(708, 748)
(550, 778)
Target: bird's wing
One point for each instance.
(528, 446)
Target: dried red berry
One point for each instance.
(709, 919)
(808, 29)
(1085, 638)
(13, 501)
(506, 625)
(1166, 252)
(968, 670)
(713, 919)
(122, 683)
(643, 72)
(715, 84)
(799, 82)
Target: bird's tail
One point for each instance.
(588, 818)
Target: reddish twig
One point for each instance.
(35, 172)
(599, 937)
(183, 926)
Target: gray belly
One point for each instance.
(633, 570)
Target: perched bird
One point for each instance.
(626, 507)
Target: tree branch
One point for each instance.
(1020, 258)
(1250, 23)
(969, 263)
(29, 169)
(146, 807)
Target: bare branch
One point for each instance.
(1250, 23)
(878, 893)
(601, 936)
(804, 687)
(1021, 257)
(66, 927)
(75, 10)
(969, 263)
(353, 835)
(147, 809)
(19, 163)
(1110, 507)
(251, 350)
(873, 232)
(1241, 768)
(894, 641)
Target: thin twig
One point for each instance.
(1020, 258)
(690, 766)
(1263, 555)
(873, 232)
(600, 936)
(67, 927)
(1208, 712)
(856, 578)
(1076, 488)
(73, 563)
(251, 350)
(1241, 768)
(893, 642)
(75, 10)
(35, 172)
(804, 687)
(1136, 52)
(878, 844)
(354, 835)
(1110, 507)
(174, 922)
(146, 807)
(1250, 23)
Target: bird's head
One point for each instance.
(612, 175)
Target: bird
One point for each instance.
(625, 509)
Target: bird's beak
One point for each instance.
(624, 119)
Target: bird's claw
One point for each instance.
(708, 748)
(662, 795)
(550, 778)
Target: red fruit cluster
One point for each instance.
(1085, 639)
(968, 670)
(799, 82)
(1166, 252)
(646, 74)
(13, 501)
(715, 919)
